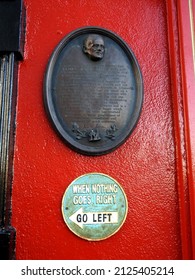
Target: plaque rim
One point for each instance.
(49, 106)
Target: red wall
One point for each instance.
(145, 165)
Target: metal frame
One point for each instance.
(11, 50)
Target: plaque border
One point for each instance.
(49, 106)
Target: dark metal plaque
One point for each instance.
(93, 90)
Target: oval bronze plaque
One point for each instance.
(93, 90)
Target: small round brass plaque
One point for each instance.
(93, 90)
(94, 206)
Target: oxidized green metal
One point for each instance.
(94, 206)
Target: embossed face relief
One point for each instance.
(94, 47)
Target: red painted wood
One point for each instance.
(146, 165)
(188, 79)
(181, 169)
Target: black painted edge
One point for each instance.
(12, 28)
(7, 243)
